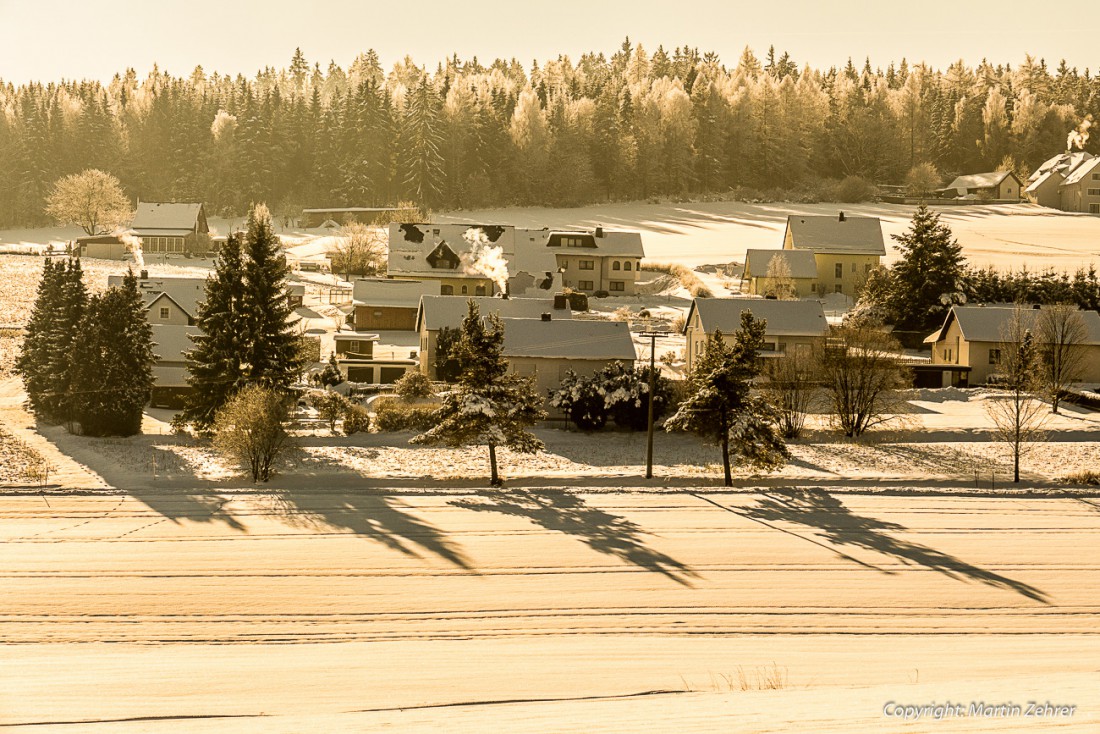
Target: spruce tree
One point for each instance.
(31, 363)
(214, 365)
(929, 277)
(489, 406)
(270, 352)
(112, 363)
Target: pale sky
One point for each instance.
(53, 39)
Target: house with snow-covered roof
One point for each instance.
(845, 249)
(170, 227)
(999, 185)
(790, 326)
(1068, 181)
(168, 299)
(800, 264)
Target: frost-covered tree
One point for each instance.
(718, 387)
(922, 180)
(92, 200)
(755, 438)
(1018, 415)
(250, 429)
(1060, 336)
(928, 279)
(359, 250)
(488, 406)
(581, 400)
(778, 280)
(861, 375)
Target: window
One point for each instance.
(585, 285)
(1094, 192)
(946, 355)
(867, 268)
(994, 356)
(837, 288)
(479, 290)
(616, 265)
(164, 312)
(627, 266)
(565, 265)
(853, 267)
(767, 347)
(572, 242)
(838, 270)
(446, 290)
(465, 290)
(377, 314)
(1094, 208)
(588, 265)
(617, 285)
(813, 287)
(1096, 177)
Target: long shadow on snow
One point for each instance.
(385, 520)
(840, 526)
(602, 531)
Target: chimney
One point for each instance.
(546, 317)
(599, 231)
(144, 275)
(842, 218)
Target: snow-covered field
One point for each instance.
(317, 609)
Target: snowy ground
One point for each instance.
(334, 610)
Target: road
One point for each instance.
(338, 611)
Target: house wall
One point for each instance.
(549, 373)
(104, 250)
(1083, 196)
(1047, 194)
(952, 348)
(697, 340)
(854, 270)
(455, 284)
(363, 347)
(803, 287)
(176, 315)
(384, 318)
(602, 274)
(1009, 189)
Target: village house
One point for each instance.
(1069, 181)
(338, 216)
(845, 249)
(996, 185)
(443, 252)
(800, 264)
(172, 300)
(385, 304)
(547, 348)
(598, 260)
(791, 326)
(171, 342)
(357, 361)
(171, 228)
(446, 312)
(101, 247)
(972, 336)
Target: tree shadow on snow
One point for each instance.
(177, 506)
(383, 519)
(840, 526)
(601, 531)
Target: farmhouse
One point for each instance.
(999, 185)
(446, 312)
(972, 336)
(790, 325)
(801, 264)
(171, 227)
(386, 304)
(546, 348)
(845, 249)
(1069, 181)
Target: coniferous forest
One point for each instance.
(637, 125)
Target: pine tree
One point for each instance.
(421, 165)
(32, 361)
(112, 363)
(928, 278)
(718, 388)
(488, 407)
(214, 365)
(270, 353)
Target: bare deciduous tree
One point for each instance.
(791, 388)
(92, 200)
(1060, 335)
(360, 250)
(1018, 416)
(778, 278)
(251, 429)
(862, 375)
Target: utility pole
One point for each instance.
(652, 335)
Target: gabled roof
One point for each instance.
(784, 318)
(568, 339)
(1064, 163)
(186, 292)
(984, 323)
(609, 242)
(392, 293)
(837, 235)
(980, 180)
(801, 262)
(158, 218)
(1078, 174)
(1037, 183)
(438, 312)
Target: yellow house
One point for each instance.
(790, 326)
(801, 265)
(598, 260)
(845, 249)
(169, 300)
(972, 338)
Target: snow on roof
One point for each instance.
(1078, 174)
(839, 235)
(784, 318)
(610, 242)
(1064, 163)
(171, 341)
(801, 262)
(984, 323)
(979, 180)
(438, 312)
(1037, 183)
(568, 339)
(392, 293)
(159, 218)
(186, 292)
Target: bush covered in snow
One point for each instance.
(616, 392)
(397, 415)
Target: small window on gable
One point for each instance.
(164, 313)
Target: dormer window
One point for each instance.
(443, 257)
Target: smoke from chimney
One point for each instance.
(1079, 136)
(485, 259)
(133, 244)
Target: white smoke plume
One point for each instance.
(486, 259)
(1080, 136)
(133, 244)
